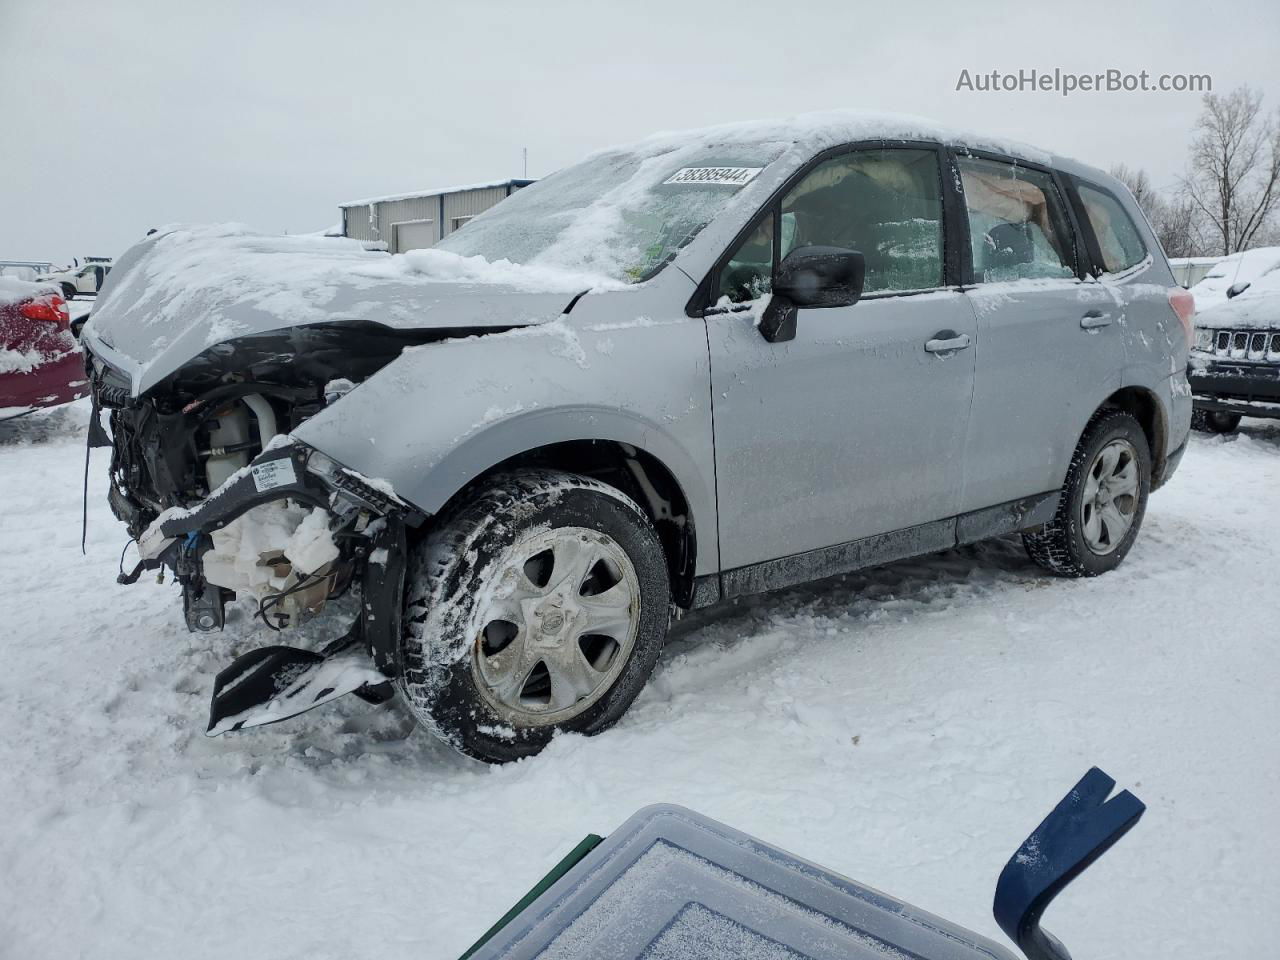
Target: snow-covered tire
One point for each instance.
(68, 291)
(471, 589)
(1062, 546)
(1214, 421)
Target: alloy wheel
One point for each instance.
(558, 627)
(1109, 502)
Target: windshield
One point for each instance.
(622, 214)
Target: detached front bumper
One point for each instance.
(1250, 388)
(293, 471)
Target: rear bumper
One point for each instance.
(48, 385)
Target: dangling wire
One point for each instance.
(271, 600)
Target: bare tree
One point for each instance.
(1139, 185)
(1234, 180)
(1174, 221)
(1178, 227)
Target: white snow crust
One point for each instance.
(13, 290)
(906, 726)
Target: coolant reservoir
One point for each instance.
(229, 428)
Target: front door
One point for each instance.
(857, 426)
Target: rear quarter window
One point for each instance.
(1119, 240)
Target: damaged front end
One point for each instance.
(212, 487)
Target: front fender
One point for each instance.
(442, 414)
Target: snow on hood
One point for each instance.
(1244, 267)
(185, 289)
(1258, 308)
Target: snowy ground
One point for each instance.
(905, 727)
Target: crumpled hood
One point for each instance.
(184, 290)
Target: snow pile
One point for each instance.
(20, 361)
(1247, 266)
(447, 267)
(906, 726)
(13, 290)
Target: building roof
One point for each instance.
(435, 192)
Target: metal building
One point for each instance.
(410, 221)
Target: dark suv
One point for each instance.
(1235, 363)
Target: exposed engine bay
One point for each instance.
(211, 486)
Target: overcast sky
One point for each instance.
(115, 117)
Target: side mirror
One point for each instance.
(1237, 288)
(811, 277)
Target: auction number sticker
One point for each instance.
(273, 473)
(729, 176)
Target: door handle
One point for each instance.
(947, 341)
(1094, 319)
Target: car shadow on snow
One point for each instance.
(905, 587)
(41, 426)
(352, 739)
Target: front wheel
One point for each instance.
(540, 606)
(1102, 503)
(1214, 421)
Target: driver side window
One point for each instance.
(886, 204)
(749, 273)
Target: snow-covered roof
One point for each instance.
(435, 192)
(825, 128)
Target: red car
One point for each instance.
(40, 361)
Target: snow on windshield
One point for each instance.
(622, 214)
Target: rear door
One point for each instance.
(857, 426)
(1050, 349)
(1155, 342)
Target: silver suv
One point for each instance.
(710, 364)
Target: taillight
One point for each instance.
(1183, 302)
(51, 309)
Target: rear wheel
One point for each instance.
(1103, 500)
(540, 606)
(1214, 421)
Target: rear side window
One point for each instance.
(1118, 238)
(1017, 223)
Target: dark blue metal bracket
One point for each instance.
(1081, 828)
